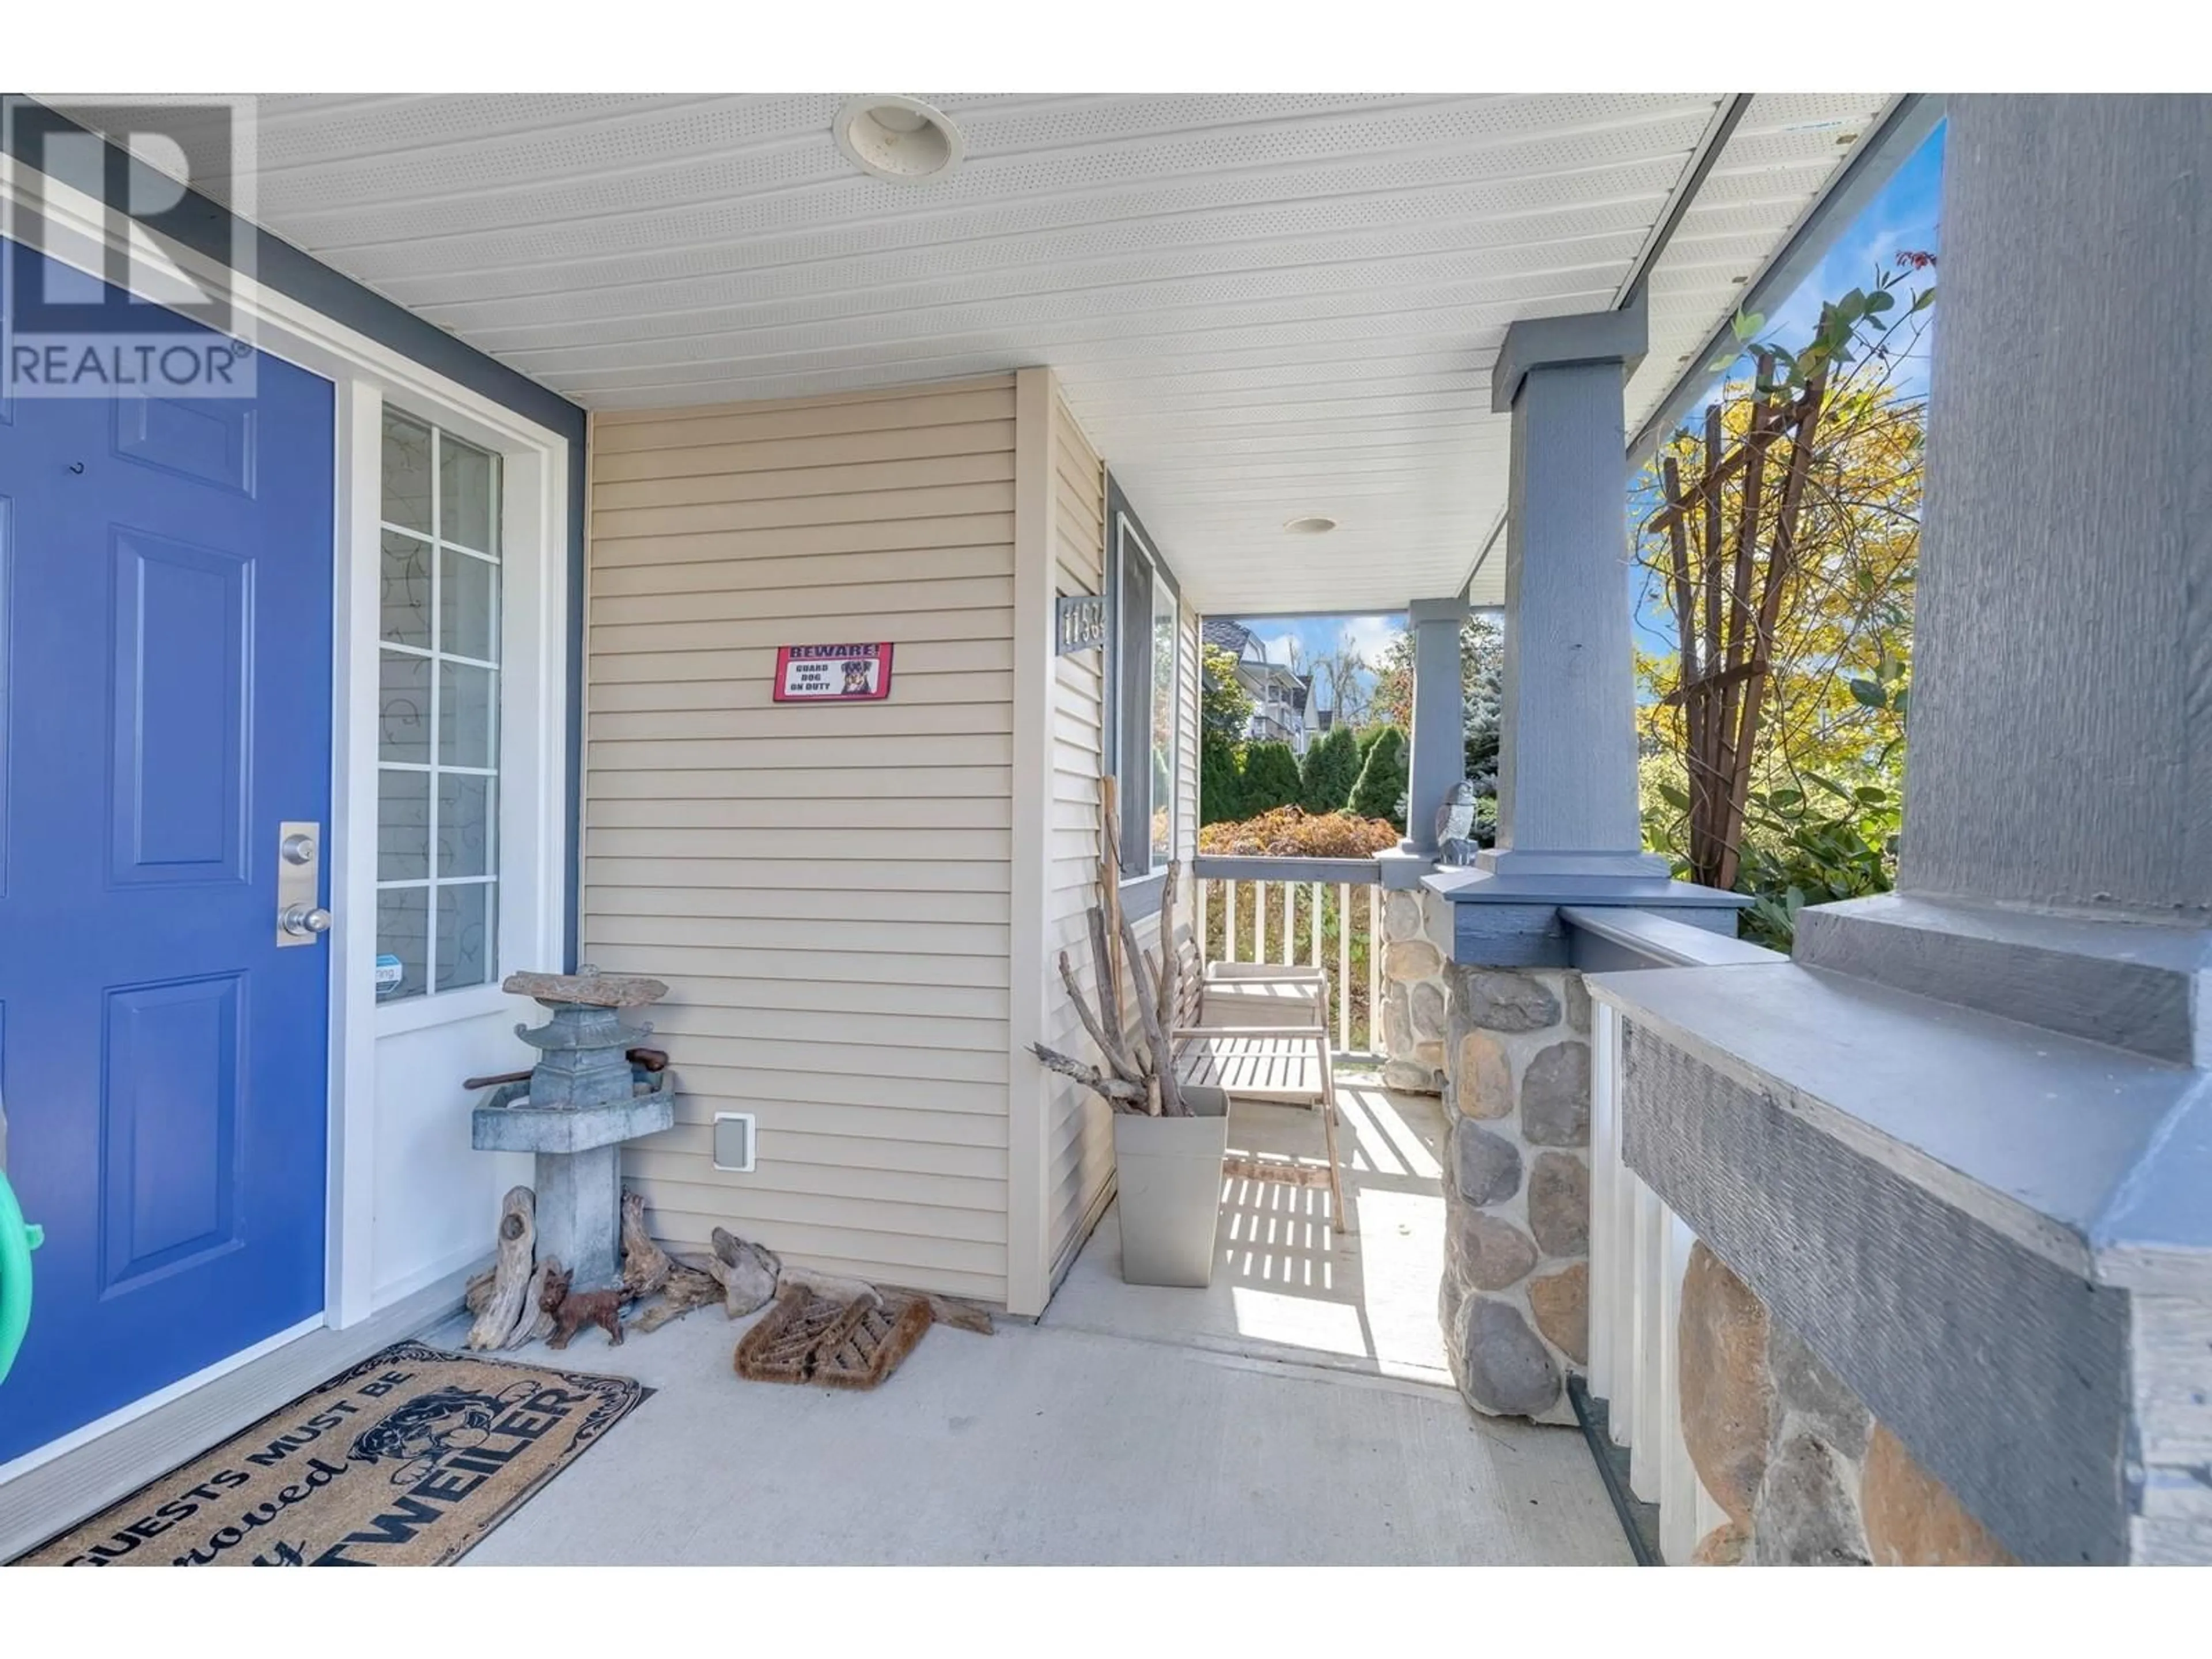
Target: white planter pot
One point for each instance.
(1169, 1169)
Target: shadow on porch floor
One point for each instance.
(1285, 1286)
(1148, 1441)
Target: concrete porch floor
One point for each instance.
(1297, 1412)
(1285, 1286)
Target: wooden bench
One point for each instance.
(1259, 1038)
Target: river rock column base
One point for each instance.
(1416, 947)
(1804, 1471)
(1514, 1302)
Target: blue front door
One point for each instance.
(165, 704)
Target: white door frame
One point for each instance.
(534, 832)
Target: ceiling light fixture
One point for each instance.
(898, 138)
(1313, 524)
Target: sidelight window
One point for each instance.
(437, 851)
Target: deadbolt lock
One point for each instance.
(300, 919)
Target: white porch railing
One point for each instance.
(1640, 1248)
(1301, 913)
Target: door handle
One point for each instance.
(18, 1239)
(300, 918)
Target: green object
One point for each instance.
(1330, 769)
(18, 1239)
(1271, 778)
(1382, 779)
(1220, 779)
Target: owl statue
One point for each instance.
(1455, 824)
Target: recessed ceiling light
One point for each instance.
(899, 138)
(1313, 524)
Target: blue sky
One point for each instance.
(1902, 218)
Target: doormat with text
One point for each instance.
(408, 1459)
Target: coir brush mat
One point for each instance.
(839, 1344)
(409, 1459)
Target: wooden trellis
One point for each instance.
(1728, 597)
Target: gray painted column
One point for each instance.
(2061, 749)
(1567, 774)
(2061, 754)
(1568, 829)
(1439, 744)
(1983, 1205)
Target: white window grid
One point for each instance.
(436, 544)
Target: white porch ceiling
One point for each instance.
(1260, 306)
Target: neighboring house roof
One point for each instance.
(1232, 637)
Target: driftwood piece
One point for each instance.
(1116, 1056)
(518, 1243)
(1109, 888)
(689, 1287)
(478, 1292)
(942, 1309)
(1166, 1100)
(1102, 970)
(1138, 1077)
(646, 1266)
(746, 1272)
(535, 1323)
(1122, 1095)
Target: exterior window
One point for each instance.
(1164, 724)
(437, 851)
(1145, 705)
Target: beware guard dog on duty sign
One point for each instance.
(832, 674)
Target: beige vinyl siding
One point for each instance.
(826, 889)
(1079, 1136)
(1079, 1139)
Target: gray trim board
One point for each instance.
(2036, 1135)
(1399, 870)
(1118, 508)
(1517, 918)
(2003, 1373)
(1726, 118)
(2137, 986)
(1578, 341)
(1141, 895)
(1455, 610)
(1606, 939)
(58, 1494)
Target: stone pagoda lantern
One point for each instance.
(581, 1103)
